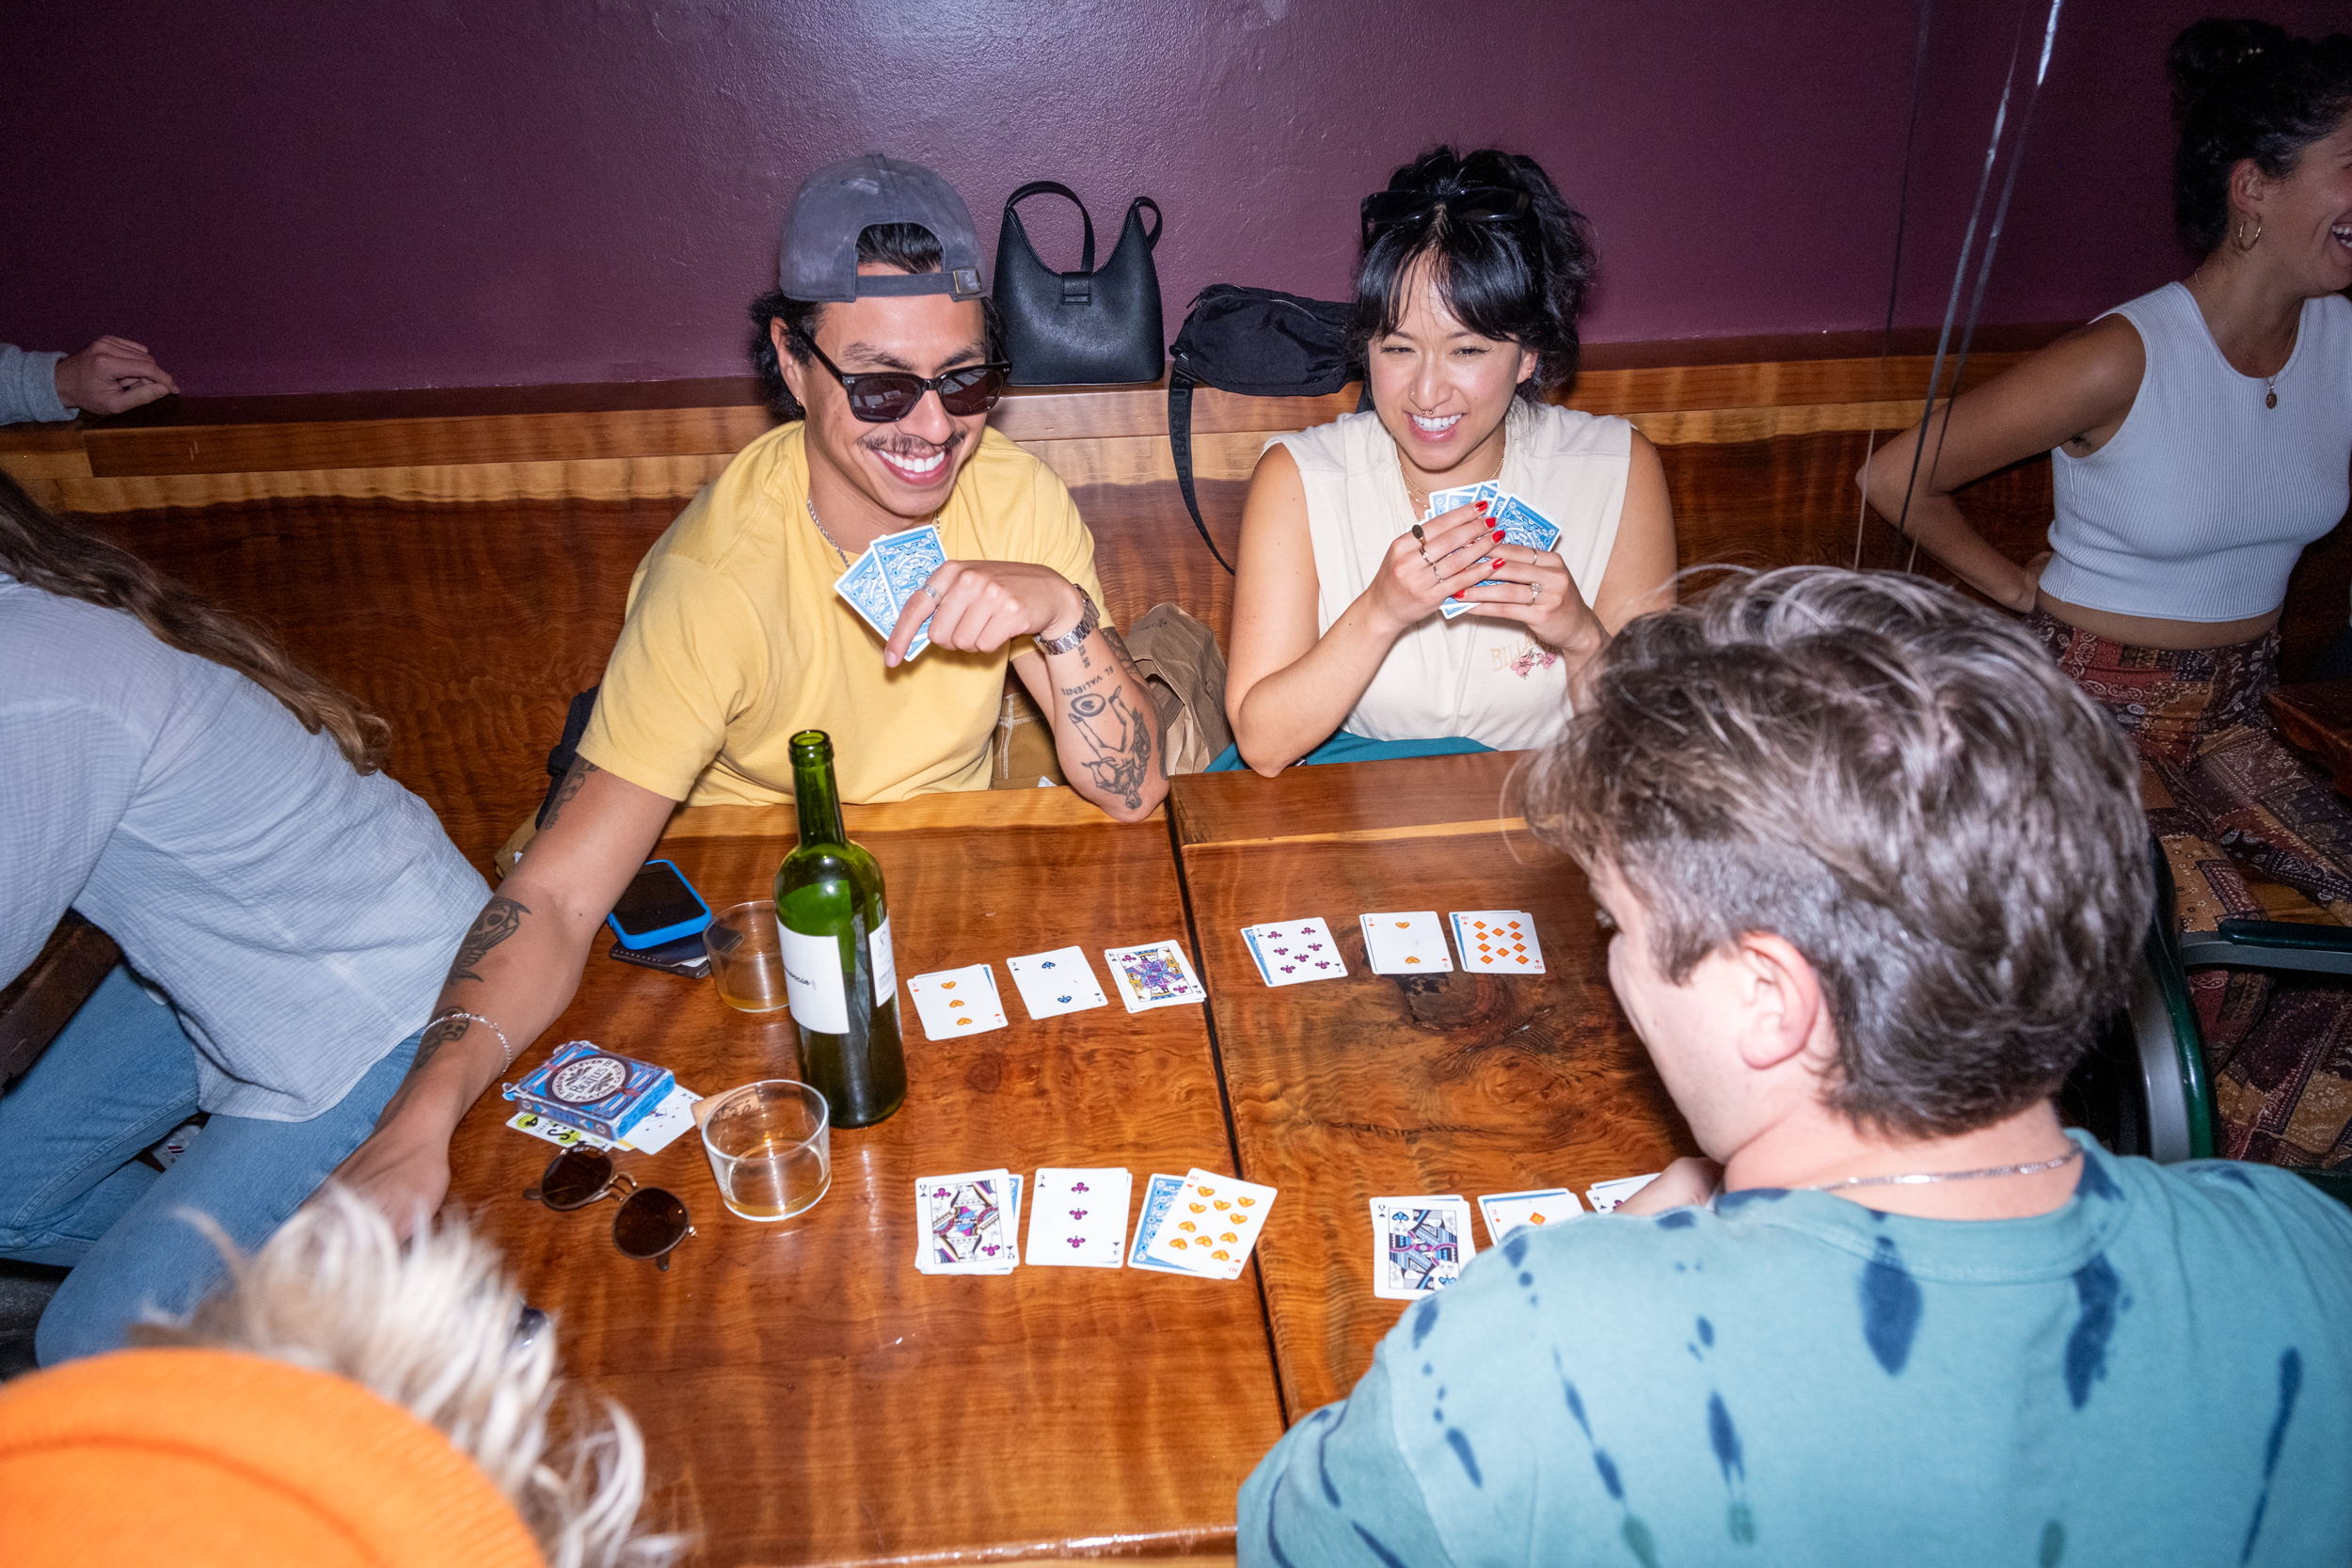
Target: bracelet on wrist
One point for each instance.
(507, 1060)
(1088, 620)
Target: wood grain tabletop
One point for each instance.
(1392, 1086)
(807, 1395)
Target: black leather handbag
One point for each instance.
(1073, 328)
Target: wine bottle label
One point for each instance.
(812, 982)
(886, 967)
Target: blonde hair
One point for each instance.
(433, 1329)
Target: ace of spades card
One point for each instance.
(1292, 952)
(1156, 974)
(1498, 942)
(1405, 943)
(1419, 1246)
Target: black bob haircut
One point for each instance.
(1524, 280)
(906, 247)
(2246, 90)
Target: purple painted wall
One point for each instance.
(280, 196)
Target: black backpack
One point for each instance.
(1257, 341)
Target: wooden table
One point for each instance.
(1373, 1085)
(805, 1394)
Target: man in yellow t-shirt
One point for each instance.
(881, 356)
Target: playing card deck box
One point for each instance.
(594, 1090)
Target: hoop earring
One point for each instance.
(2237, 237)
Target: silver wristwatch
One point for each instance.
(1088, 620)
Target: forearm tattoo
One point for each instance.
(501, 918)
(1122, 739)
(578, 776)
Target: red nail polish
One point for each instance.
(1498, 536)
(1481, 506)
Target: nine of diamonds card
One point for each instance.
(1500, 942)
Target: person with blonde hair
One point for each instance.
(283, 910)
(341, 1400)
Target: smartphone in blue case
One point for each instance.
(658, 905)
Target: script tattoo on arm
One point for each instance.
(573, 780)
(501, 918)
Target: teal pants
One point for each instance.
(1345, 747)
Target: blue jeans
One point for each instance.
(119, 1076)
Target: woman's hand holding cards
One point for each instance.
(1423, 571)
(1533, 588)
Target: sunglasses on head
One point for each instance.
(881, 397)
(1473, 204)
(651, 1220)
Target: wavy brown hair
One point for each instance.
(44, 551)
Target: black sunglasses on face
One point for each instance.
(651, 1220)
(1473, 204)
(882, 397)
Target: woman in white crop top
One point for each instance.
(2199, 437)
(1473, 276)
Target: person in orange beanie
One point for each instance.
(341, 1401)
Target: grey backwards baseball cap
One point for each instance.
(841, 200)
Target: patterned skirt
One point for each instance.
(2235, 809)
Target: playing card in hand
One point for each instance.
(1156, 974)
(1498, 942)
(1212, 1224)
(1078, 1218)
(1409, 942)
(879, 583)
(957, 1001)
(1419, 1245)
(1520, 524)
(1291, 952)
(1057, 982)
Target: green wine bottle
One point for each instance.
(838, 973)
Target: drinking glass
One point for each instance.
(747, 956)
(770, 1149)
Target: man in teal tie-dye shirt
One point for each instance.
(1877, 868)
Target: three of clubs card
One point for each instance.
(1419, 1245)
(1292, 952)
(1405, 943)
(1211, 1225)
(1156, 974)
(1078, 1217)
(879, 583)
(958, 1001)
(1057, 982)
(967, 1223)
(1499, 942)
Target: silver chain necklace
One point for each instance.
(1923, 1178)
(810, 501)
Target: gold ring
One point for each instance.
(1417, 533)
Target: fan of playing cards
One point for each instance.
(1520, 523)
(1202, 1223)
(879, 583)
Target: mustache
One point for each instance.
(899, 443)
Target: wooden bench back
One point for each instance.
(459, 561)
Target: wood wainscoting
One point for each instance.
(458, 560)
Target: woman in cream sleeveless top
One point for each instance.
(1477, 676)
(1472, 275)
(2199, 437)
